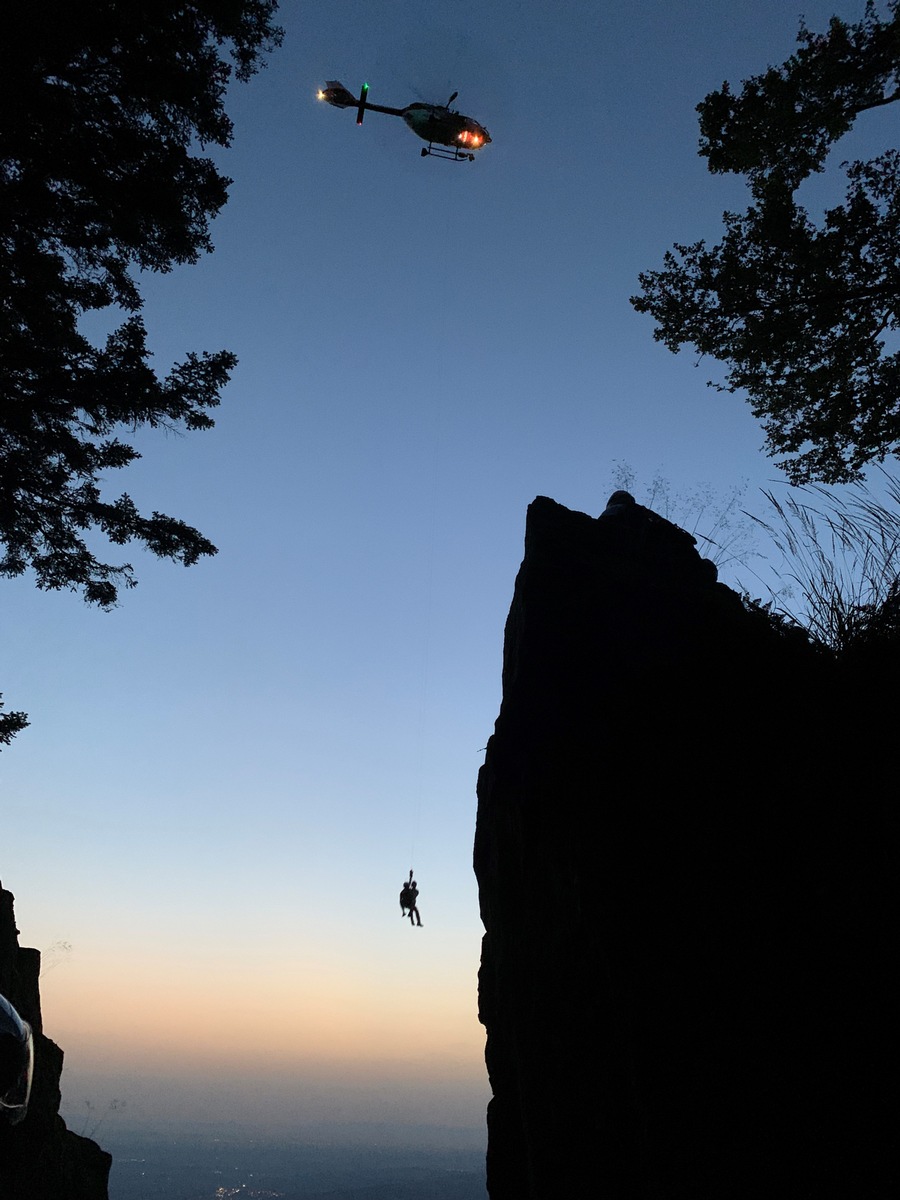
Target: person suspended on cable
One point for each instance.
(409, 894)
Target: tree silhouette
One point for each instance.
(103, 109)
(798, 312)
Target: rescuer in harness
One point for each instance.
(409, 894)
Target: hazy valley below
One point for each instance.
(158, 1166)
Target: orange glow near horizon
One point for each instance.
(320, 1018)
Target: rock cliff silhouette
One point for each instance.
(40, 1159)
(683, 859)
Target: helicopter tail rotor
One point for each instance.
(360, 112)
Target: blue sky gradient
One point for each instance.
(228, 777)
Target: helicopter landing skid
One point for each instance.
(454, 154)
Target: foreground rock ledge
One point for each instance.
(683, 853)
(40, 1159)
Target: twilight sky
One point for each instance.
(227, 778)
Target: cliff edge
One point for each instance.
(40, 1159)
(683, 867)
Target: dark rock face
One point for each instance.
(40, 1159)
(682, 855)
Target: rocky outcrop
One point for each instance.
(40, 1159)
(683, 865)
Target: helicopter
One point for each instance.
(448, 133)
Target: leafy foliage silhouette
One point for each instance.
(103, 107)
(798, 312)
(11, 723)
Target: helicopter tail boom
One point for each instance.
(336, 94)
